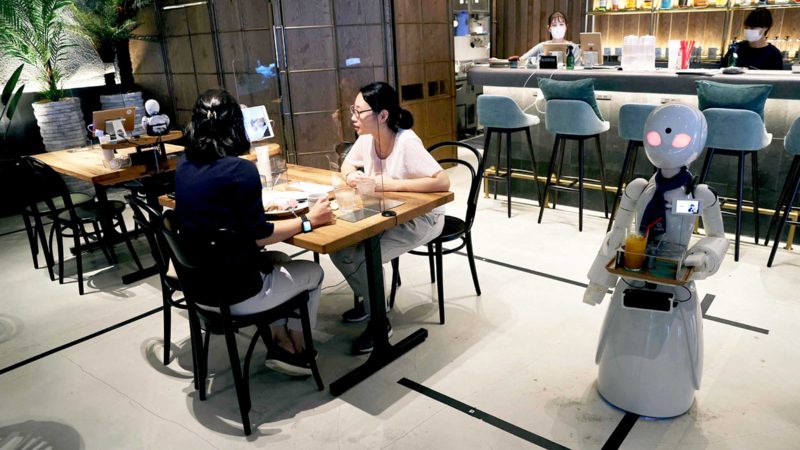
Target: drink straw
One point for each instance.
(647, 229)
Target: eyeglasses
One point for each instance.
(355, 112)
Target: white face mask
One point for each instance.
(753, 35)
(558, 31)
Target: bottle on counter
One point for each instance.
(602, 5)
(666, 4)
(683, 3)
(647, 4)
(722, 3)
(614, 5)
(631, 4)
(700, 3)
(570, 58)
(734, 59)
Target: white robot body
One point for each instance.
(650, 353)
(154, 123)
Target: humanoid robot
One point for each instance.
(650, 353)
(154, 123)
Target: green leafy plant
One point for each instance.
(109, 25)
(32, 31)
(10, 99)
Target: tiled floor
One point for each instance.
(523, 352)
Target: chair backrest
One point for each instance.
(43, 185)
(476, 173)
(632, 117)
(218, 271)
(572, 117)
(342, 149)
(735, 129)
(499, 111)
(150, 221)
(792, 141)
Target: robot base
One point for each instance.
(650, 362)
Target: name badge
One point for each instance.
(687, 207)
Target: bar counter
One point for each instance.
(615, 88)
(785, 84)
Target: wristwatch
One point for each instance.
(305, 224)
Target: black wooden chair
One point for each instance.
(36, 212)
(73, 220)
(215, 274)
(149, 220)
(454, 228)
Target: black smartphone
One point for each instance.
(647, 299)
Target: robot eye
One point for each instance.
(668, 130)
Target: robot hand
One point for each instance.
(701, 263)
(594, 293)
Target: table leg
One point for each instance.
(383, 353)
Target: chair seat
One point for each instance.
(454, 228)
(77, 198)
(89, 212)
(498, 111)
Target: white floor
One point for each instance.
(522, 352)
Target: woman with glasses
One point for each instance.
(390, 153)
(557, 27)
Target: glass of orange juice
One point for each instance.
(635, 244)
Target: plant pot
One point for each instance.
(61, 123)
(126, 101)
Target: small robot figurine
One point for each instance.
(650, 353)
(154, 123)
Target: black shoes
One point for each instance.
(292, 364)
(364, 343)
(356, 314)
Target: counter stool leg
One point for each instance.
(602, 175)
(497, 166)
(508, 172)
(580, 183)
(622, 180)
(484, 158)
(562, 150)
(790, 177)
(782, 222)
(740, 189)
(553, 157)
(533, 166)
(706, 165)
(756, 215)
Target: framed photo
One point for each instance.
(257, 124)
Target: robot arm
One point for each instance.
(599, 278)
(706, 256)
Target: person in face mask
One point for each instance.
(557, 27)
(754, 52)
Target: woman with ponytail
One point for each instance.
(215, 189)
(389, 152)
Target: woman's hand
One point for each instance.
(385, 183)
(321, 213)
(353, 177)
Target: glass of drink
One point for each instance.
(346, 198)
(366, 187)
(635, 245)
(315, 197)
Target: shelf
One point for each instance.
(693, 9)
(620, 13)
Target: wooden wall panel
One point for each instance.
(521, 24)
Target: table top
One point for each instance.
(145, 140)
(342, 234)
(87, 165)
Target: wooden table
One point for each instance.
(87, 165)
(342, 234)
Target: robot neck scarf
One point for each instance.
(657, 208)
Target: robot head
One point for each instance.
(152, 107)
(674, 135)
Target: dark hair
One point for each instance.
(556, 14)
(759, 18)
(217, 128)
(380, 96)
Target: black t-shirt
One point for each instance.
(764, 58)
(225, 193)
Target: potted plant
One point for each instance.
(33, 32)
(9, 100)
(109, 25)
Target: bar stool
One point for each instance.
(573, 120)
(631, 128)
(789, 193)
(500, 114)
(736, 132)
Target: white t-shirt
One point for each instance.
(409, 159)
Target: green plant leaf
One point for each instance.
(12, 106)
(10, 85)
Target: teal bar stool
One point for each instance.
(631, 128)
(790, 188)
(736, 132)
(573, 120)
(500, 114)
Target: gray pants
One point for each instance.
(394, 242)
